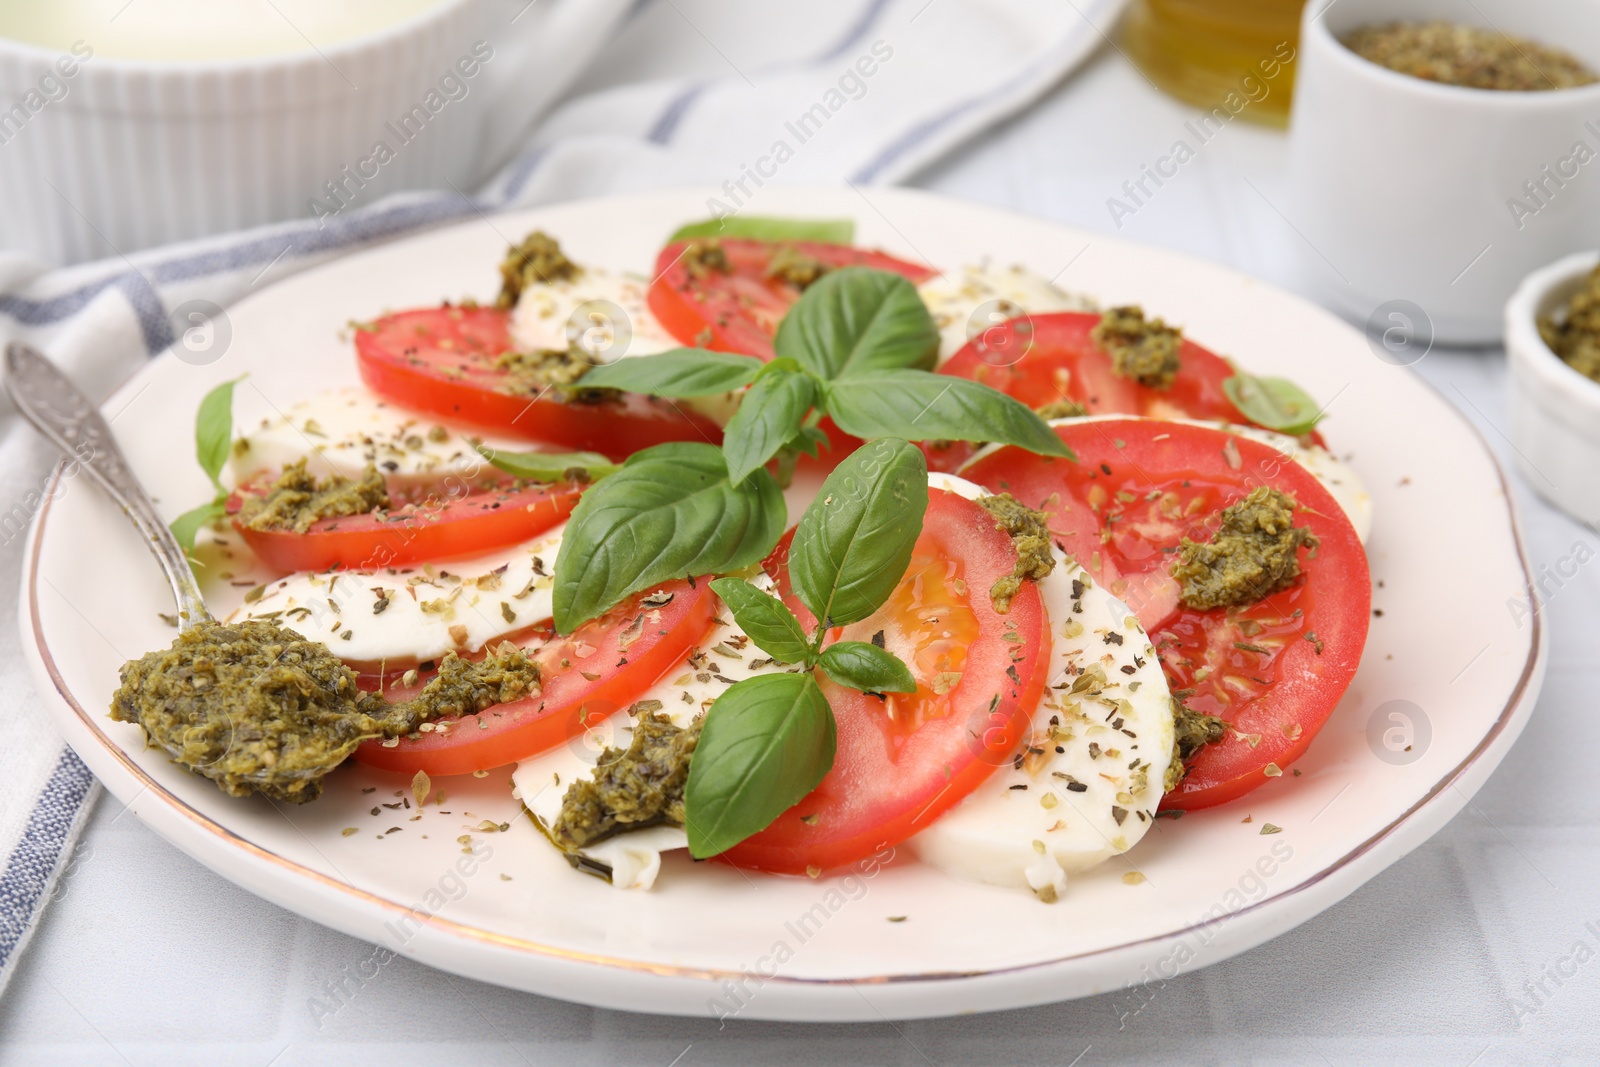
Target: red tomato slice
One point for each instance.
(598, 669)
(1042, 359)
(441, 361)
(904, 759)
(433, 528)
(1273, 670)
(739, 311)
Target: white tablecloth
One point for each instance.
(1481, 947)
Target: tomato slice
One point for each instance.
(442, 361)
(437, 527)
(1273, 670)
(1043, 359)
(589, 674)
(738, 311)
(904, 759)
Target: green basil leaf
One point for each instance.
(680, 372)
(809, 441)
(856, 319)
(213, 431)
(766, 619)
(827, 231)
(867, 668)
(931, 407)
(1276, 403)
(766, 743)
(186, 527)
(668, 512)
(853, 544)
(769, 416)
(548, 466)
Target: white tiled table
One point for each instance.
(147, 957)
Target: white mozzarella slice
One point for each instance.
(967, 301)
(634, 857)
(459, 606)
(341, 431)
(601, 312)
(1091, 774)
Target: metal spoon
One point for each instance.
(63, 414)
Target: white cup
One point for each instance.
(1423, 205)
(102, 155)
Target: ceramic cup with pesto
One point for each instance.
(1442, 196)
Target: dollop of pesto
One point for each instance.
(298, 499)
(1254, 554)
(537, 260)
(791, 265)
(1061, 409)
(701, 258)
(1146, 351)
(1576, 338)
(1192, 731)
(631, 789)
(259, 709)
(544, 368)
(1030, 534)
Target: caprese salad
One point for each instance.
(1064, 570)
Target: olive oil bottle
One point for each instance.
(1200, 51)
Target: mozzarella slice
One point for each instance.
(634, 857)
(967, 301)
(602, 312)
(340, 431)
(1109, 713)
(460, 606)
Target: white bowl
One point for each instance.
(1555, 411)
(1404, 189)
(101, 156)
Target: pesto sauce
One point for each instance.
(1254, 554)
(297, 499)
(633, 789)
(1030, 535)
(537, 260)
(260, 709)
(1192, 731)
(1576, 338)
(1473, 57)
(1146, 351)
(789, 264)
(702, 258)
(1061, 409)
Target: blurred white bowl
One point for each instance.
(1406, 190)
(101, 155)
(1555, 411)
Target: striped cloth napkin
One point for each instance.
(687, 92)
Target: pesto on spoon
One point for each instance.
(251, 705)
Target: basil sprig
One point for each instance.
(1276, 403)
(766, 228)
(768, 740)
(213, 438)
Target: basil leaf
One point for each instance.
(769, 416)
(852, 545)
(547, 466)
(827, 231)
(930, 407)
(765, 744)
(856, 319)
(766, 619)
(1276, 403)
(680, 372)
(809, 441)
(867, 668)
(668, 512)
(213, 431)
(188, 525)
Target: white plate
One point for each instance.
(709, 939)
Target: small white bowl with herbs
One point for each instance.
(1553, 342)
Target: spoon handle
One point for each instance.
(64, 415)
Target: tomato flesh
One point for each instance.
(598, 669)
(739, 311)
(436, 527)
(1274, 670)
(904, 759)
(442, 361)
